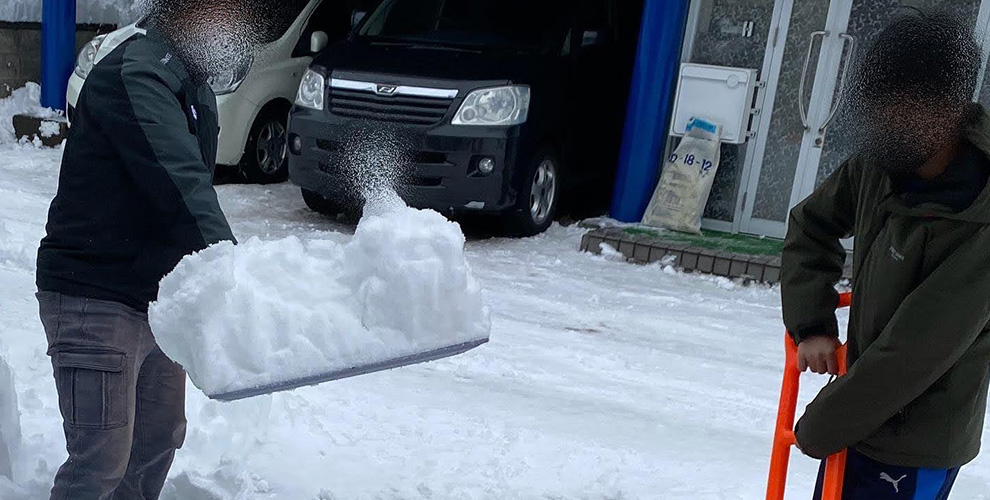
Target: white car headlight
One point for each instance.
(495, 106)
(229, 81)
(311, 90)
(87, 56)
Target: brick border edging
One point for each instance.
(645, 249)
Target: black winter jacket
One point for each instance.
(135, 191)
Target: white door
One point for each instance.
(808, 135)
(800, 43)
(738, 34)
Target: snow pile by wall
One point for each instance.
(23, 101)
(10, 425)
(87, 11)
(242, 316)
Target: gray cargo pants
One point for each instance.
(122, 400)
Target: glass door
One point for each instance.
(864, 21)
(807, 56)
(810, 132)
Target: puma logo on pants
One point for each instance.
(868, 479)
(897, 483)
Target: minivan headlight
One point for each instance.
(228, 81)
(87, 56)
(311, 90)
(495, 106)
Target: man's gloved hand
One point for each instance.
(818, 354)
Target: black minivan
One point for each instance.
(496, 106)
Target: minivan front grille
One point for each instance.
(406, 105)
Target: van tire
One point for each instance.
(347, 213)
(539, 196)
(317, 203)
(266, 155)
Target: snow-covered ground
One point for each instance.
(22, 101)
(602, 380)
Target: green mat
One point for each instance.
(715, 240)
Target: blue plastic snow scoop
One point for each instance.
(388, 364)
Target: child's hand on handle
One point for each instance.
(818, 354)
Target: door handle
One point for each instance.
(804, 76)
(842, 81)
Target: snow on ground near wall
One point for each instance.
(602, 380)
(15, 249)
(87, 11)
(23, 101)
(49, 129)
(265, 313)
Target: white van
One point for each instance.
(253, 102)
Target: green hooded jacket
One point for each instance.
(915, 394)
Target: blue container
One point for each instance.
(58, 47)
(650, 101)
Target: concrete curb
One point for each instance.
(646, 249)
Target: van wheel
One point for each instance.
(342, 211)
(266, 159)
(317, 203)
(539, 197)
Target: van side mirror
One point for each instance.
(357, 16)
(318, 42)
(592, 38)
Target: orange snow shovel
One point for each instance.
(783, 438)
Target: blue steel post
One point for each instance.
(58, 47)
(650, 98)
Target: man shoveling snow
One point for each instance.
(135, 195)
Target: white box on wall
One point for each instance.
(717, 93)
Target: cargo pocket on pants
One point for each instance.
(91, 388)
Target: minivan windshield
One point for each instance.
(537, 25)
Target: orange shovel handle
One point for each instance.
(783, 439)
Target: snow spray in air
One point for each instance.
(374, 159)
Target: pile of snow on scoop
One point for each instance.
(238, 317)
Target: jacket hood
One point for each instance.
(978, 134)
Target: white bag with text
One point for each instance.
(687, 178)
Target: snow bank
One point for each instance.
(87, 11)
(23, 101)
(241, 316)
(10, 425)
(14, 250)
